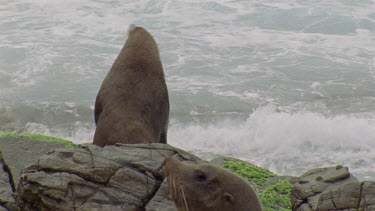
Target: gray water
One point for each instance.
(287, 85)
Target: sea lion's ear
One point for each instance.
(199, 175)
(228, 197)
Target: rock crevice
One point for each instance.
(7, 170)
(7, 186)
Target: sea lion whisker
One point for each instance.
(174, 186)
(218, 189)
(184, 198)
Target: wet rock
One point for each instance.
(368, 195)
(332, 188)
(131, 177)
(124, 177)
(343, 197)
(20, 152)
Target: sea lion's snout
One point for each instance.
(202, 187)
(170, 164)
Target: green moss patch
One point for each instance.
(274, 197)
(277, 196)
(39, 137)
(255, 174)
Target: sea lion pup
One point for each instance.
(205, 187)
(132, 105)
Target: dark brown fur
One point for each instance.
(132, 105)
(205, 187)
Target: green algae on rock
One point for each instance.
(255, 174)
(274, 197)
(39, 137)
(277, 196)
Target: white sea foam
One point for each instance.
(285, 142)
(131, 28)
(271, 137)
(79, 134)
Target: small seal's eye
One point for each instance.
(199, 175)
(228, 197)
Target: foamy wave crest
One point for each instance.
(286, 143)
(80, 133)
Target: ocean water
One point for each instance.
(287, 85)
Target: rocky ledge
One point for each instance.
(38, 175)
(124, 177)
(332, 188)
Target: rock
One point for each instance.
(343, 197)
(6, 186)
(368, 195)
(353, 195)
(20, 152)
(123, 177)
(131, 177)
(332, 188)
(161, 200)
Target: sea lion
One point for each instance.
(132, 105)
(205, 187)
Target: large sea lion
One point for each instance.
(132, 105)
(205, 187)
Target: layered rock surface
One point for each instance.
(124, 177)
(15, 154)
(131, 177)
(21, 152)
(332, 188)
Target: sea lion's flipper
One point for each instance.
(163, 138)
(164, 119)
(98, 109)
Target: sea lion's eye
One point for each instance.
(199, 175)
(228, 197)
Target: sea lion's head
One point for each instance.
(204, 187)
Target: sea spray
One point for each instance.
(285, 142)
